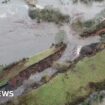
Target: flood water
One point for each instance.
(19, 35)
(22, 37)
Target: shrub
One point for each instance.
(49, 15)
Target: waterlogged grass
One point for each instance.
(64, 88)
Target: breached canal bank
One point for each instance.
(13, 76)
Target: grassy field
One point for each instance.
(65, 88)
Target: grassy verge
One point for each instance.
(39, 57)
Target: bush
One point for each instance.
(49, 15)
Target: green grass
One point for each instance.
(66, 87)
(39, 57)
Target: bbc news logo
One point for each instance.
(6, 94)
